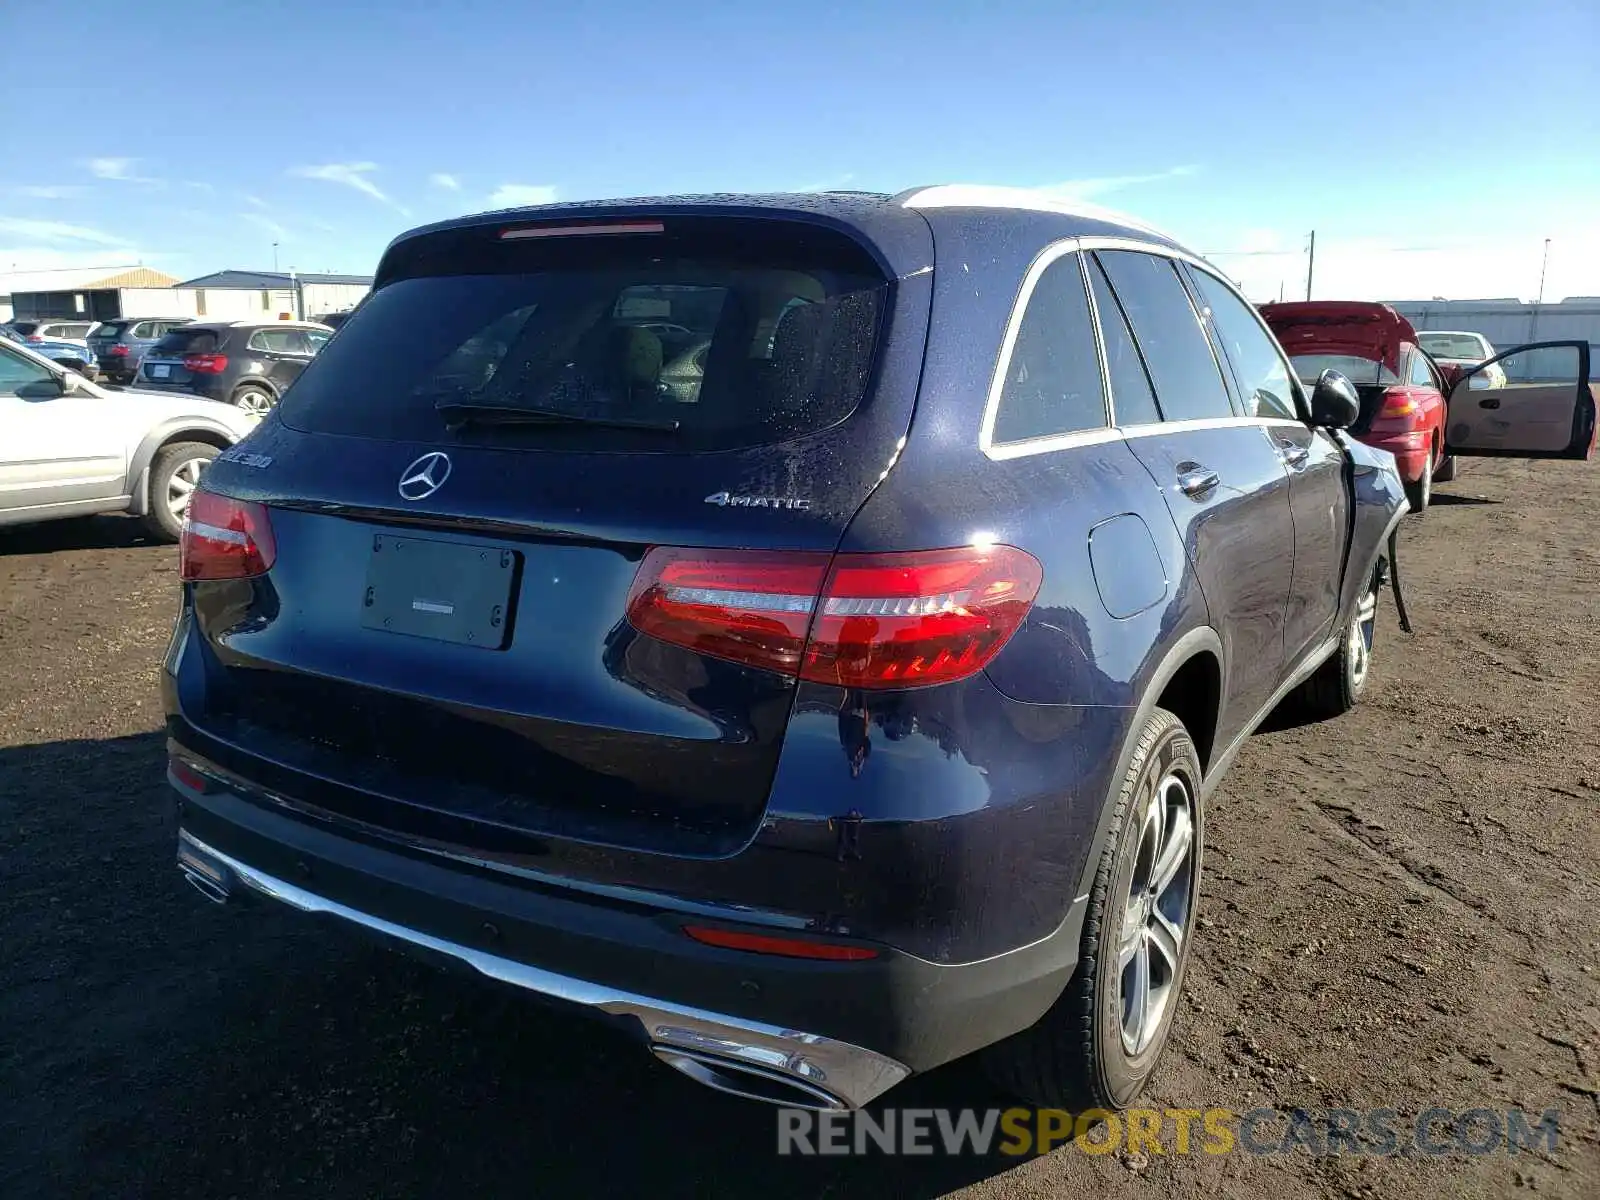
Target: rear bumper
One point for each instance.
(842, 1032)
(1410, 451)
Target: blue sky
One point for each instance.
(1433, 146)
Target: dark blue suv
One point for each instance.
(804, 629)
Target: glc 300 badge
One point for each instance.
(729, 500)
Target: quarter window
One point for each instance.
(1132, 401)
(1421, 376)
(1052, 383)
(1262, 373)
(1187, 378)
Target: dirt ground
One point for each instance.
(1401, 909)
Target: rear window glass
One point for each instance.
(1363, 371)
(25, 328)
(742, 334)
(188, 341)
(1451, 345)
(109, 330)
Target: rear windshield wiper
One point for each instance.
(458, 416)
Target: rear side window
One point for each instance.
(743, 333)
(1262, 373)
(1187, 379)
(1052, 382)
(188, 341)
(1421, 376)
(1132, 399)
(277, 341)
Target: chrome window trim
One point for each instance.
(1113, 432)
(1042, 262)
(1302, 398)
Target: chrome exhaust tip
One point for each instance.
(208, 888)
(747, 1082)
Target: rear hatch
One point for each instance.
(105, 336)
(182, 353)
(442, 641)
(1362, 330)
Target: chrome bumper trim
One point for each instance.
(852, 1073)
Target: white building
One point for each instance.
(89, 293)
(270, 295)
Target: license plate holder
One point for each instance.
(160, 371)
(445, 591)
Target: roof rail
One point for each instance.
(981, 195)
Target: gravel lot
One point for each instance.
(1401, 909)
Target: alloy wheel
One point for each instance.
(181, 485)
(1156, 912)
(1360, 639)
(254, 402)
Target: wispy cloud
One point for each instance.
(520, 195)
(449, 183)
(254, 201)
(36, 191)
(209, 189)
(351, 175)
(57, 231)
(278, 232)
(121, 169)
(1101, 185)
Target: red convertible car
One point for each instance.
(1402, 390)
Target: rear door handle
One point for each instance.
(1197, 480)
(1293, 454)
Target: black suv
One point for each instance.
(246, 363)
(806, 630)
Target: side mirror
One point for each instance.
(1335, 403)
(71, 383)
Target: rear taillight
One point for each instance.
(1397, 404)
(865, 621)
(224, 538)
(34, 337)
(205, 364)
(117, 350)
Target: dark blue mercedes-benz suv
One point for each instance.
(804, 629)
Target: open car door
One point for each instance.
(1543, 406)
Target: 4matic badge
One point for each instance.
(729, 500)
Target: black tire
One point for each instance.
(1075, 1056)
(162, 521)
(1446, 470)
(1339, 683)
(1420, 494)
(252, 397)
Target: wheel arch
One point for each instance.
(194, 429)
(1189, 674)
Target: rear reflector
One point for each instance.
(224, 538)
(762, 943)
(527, 232)
(188, 776)
(865, 621)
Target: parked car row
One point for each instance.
(244, 363)
(845, 705)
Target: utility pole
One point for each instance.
(274, 256)
(1311, 263)
(1543, 266)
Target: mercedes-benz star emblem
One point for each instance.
(425, 476)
